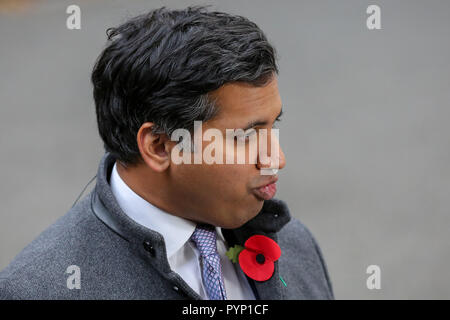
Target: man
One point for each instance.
(154, 228)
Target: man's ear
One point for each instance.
(154, 148)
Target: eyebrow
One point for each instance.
(255, 123)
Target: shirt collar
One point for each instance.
(175, 230)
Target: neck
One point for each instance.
(153, 187)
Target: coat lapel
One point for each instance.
(270, 289)
(273, 216)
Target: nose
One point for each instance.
(280, 158)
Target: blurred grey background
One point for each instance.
(365, 130)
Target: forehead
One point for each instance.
(239, 102)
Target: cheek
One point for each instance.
(226, 182)
(235, 183)
(211, 178)
(244, 153)
(216, 182)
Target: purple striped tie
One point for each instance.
(204, 238)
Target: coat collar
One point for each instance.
(150, 246)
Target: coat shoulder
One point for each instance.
(41, 269)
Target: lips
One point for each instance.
(267, 191)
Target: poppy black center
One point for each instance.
(260, 258)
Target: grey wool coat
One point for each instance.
(120, 259)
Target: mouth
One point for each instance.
(267, 191)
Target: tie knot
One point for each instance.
(205, 238)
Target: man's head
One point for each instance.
(166, 69)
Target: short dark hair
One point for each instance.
(159, 67)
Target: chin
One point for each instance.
(243, 218)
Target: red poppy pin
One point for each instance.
(257, 257)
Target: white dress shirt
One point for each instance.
(182, 254)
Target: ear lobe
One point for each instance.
(153, 148)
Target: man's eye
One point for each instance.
(249, 133)
(275, 123)
(246, 135)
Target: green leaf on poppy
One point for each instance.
(233, 253)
